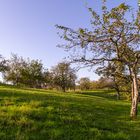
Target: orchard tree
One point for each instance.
(24, 72)
(3, 64)
(105, 82)
(47, 79)
(34, 73)
(13, 73)
(63, 76)
(94, 85)
(85, 83)
(114, 37)
(117, 72)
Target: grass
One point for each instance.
(30, 114)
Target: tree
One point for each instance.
(3, 64)
(113, 38)
(94, 85)
(32, 73)
(47, 79)
(117, 73)
(13, 73)
(63, 76)
(85, 83)
(24, 72)
(104, 82)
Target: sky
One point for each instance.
(27, 27)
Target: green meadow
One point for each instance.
(31, 114)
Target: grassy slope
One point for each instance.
(44, 115)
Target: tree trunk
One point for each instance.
(116, 86)
(134, 102)
(118, 95)
(63, 88)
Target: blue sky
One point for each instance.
(27, 27)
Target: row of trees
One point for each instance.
(31, 73)
(103, 83)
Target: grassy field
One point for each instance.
(48, 115)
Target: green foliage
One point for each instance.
(24, 72)
(63, 76)
(118, 74)
(31, 73)
(85, 83)
(3, 64)
(103, 83)
(39, 115)
(114, 38)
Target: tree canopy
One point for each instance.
(64, 76)
(113, 38)
(24, 72)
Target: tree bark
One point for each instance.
(132, 91)
(134, 102)
(117, 90)
(63, 88)
(118, 95)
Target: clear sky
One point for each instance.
(27, 27)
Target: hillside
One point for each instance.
(30, 114)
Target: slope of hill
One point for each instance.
(30, 114)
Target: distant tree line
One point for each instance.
(31, 73)
(102, 83)
(119, 84)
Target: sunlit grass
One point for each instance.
(30, 114)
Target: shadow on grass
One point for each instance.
(109, 94)
(42, 93)
(40, 114)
